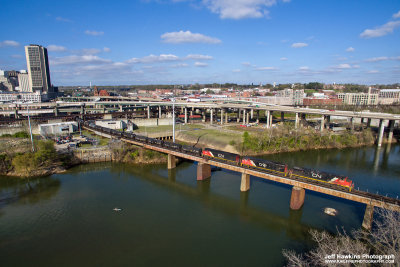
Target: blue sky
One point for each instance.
(189, 41)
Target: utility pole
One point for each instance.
(173, 120)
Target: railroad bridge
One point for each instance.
(299, 185)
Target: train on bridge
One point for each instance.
(263, 165)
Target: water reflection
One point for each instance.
(27, 191)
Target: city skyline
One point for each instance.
(241, 41)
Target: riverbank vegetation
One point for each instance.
(128, 153)
(285, 138)
(382, 239)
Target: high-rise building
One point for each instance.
(23, 81)
(38, 68)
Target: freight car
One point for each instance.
(141, 138)
(154, 141)
(221, 156)
(191, 150)
(266, 165)
(173, 146)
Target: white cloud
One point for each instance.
(381, 30)
(304, 68)
(373, 71)
(377, 59)
(75, 59)
(90, 51)
(63, 19)
(350, 49)
(154, 59)
(188, 37)
(396, 15)
(299, 45)
(283, 58)
(343, 66)
(240, 9)
(247, 64)
(9, 43)
(56, 48)
(106, 49)
(266, 68)
(200, 64)
(94, 33)
(180, 65)
(199, 57)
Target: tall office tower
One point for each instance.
(38, 68)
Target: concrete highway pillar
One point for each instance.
(282, 117)
(186, 115)
(226, 116)
(238, 116)
(120, 108)
(222, 116)
(211, 116)
(352, 123)
(56, 111)
(296, 122)
(271, 119)
(267, 117)
(171, 161)
(327, 121)
(247, 118)
(245, 183)
(391, 128)
(192, 111)
(148, 112)
(322, 123)
(368, 217)
(203, 115)
(369, 122)
(381, 131)
(297, 198)
(251, 113)
(159, 112)
(244, 116)
(203, 171)
(181, 109)
(258, 116)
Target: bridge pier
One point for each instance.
(296, 122)
(282, 117)
(251, 113)
(267, 117)
(185, 115)
(238, 116)
(258, 116)
(159, 112)
(245, 183)
(244, 116)
(171, 161)
(381, 131)
(203, 115)
(297, 198)
(391, 129)
(226, 116)
(247, 118)
(222, 116)
(368, 217)
(203, 171)
(322, 123)
(211, 116)
(148, 112)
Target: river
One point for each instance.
(167, 218)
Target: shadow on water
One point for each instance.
(27, 191)
(292, 226)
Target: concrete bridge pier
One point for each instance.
(211, 116)
(258, 116)
(222, 116)
(267, 117)
(171, 161)
(297, 198)
(159, 112)
(245, 183)
(303, 119)
(352, 123)
(247, 118)
(203, 171)
(381, 131)
(203, 115)
(148, 112)
(186, 115)
(56, 111)
(322, 127)
(296, 122)
(391, 129)
(251, 113)
(244, 116)
(368, 217)
(120, 108)
(327, 121)
(238, 116)
(226, 116)
(192, 111)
